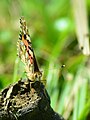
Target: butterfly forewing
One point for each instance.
(25, 51)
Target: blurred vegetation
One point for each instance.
(52, 28)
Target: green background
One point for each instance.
(52, 29)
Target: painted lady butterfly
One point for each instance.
(27, 56)
(26, 53)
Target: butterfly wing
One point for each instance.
(25, 51)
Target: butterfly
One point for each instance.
(26, 53)
(27, 56)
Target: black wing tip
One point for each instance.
(22, 20)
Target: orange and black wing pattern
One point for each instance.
(26, 53)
